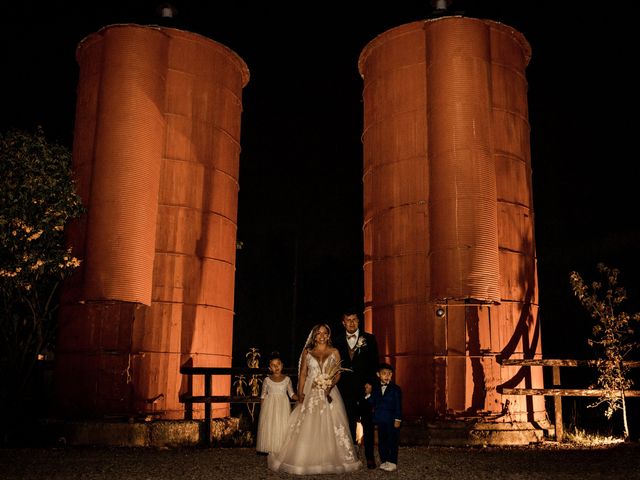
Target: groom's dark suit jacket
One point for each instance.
(364, 365)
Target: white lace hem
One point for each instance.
(277, 466)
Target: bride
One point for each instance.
(318, 439)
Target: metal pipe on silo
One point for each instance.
(128, 144)
(463, 223)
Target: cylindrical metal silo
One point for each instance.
(126, 335)
(448, 219)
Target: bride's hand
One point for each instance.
(300, 397)
(327, 393)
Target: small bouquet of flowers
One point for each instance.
(362, 342)
(325, 380)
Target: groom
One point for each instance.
(359, 352)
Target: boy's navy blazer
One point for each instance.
(387, 407)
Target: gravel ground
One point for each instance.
(115, 463)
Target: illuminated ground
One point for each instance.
(542, 462)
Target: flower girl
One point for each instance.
(274, 407)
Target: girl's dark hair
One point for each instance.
(275, 356)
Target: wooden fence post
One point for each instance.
(557, 405)
(207, 409)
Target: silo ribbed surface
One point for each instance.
(463, 223)
(184, 139)
(448, 218)
(127, 152)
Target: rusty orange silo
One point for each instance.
(156, 155)
(450, 267)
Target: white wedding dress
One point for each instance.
(318, 439)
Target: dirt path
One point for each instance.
(420, 463)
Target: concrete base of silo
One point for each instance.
(224, 432)
(463, 433)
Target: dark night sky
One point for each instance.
(300, 212)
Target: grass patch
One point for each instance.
(588, 439)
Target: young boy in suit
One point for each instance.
(386, 401)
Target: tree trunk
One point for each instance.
(624, 418)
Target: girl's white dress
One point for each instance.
(274, 414)
(318, 439)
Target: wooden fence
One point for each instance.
(556, 391)
(208, 398)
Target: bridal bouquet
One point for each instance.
(324, 380)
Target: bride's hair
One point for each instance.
(311, 341)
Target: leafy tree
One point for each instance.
(38, 198)
(612, 336)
